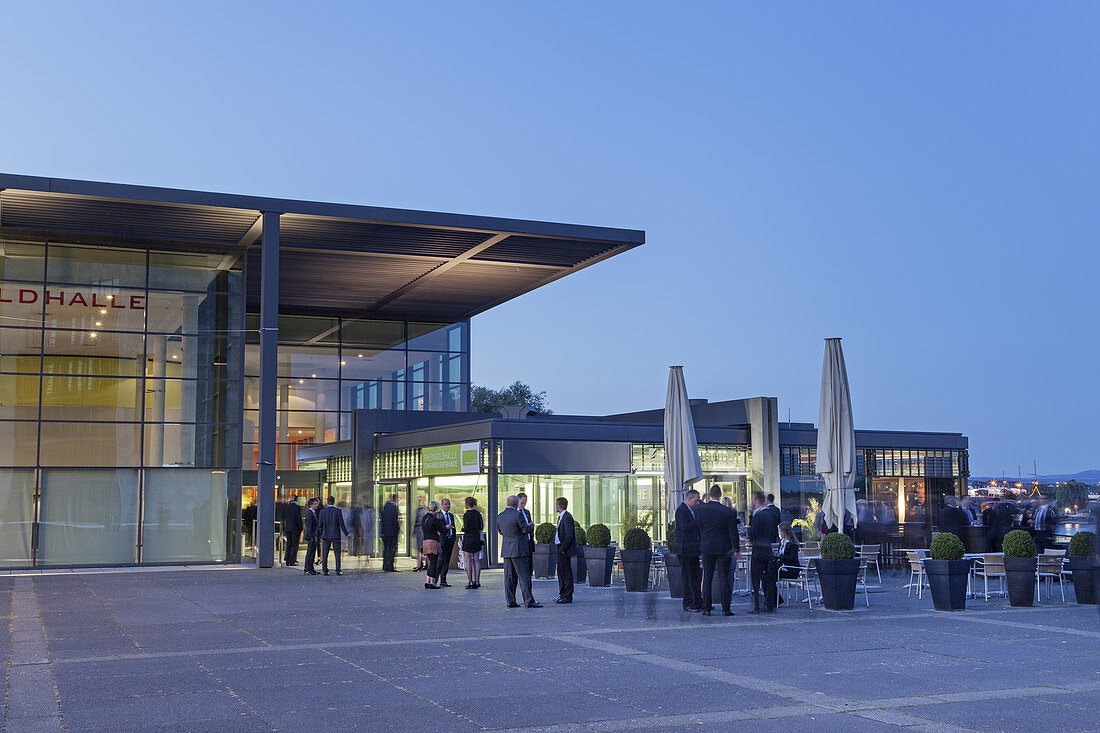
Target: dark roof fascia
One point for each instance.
(881, 439)
(318, 451)
(384, 215)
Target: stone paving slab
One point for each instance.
(275, 650)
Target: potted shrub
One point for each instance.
(580, 568)
(1019, 549)
(545, 561)
(599, 555)
(837, 571)
(636, 555)
(1082, 564)
(948, 572)
(672, 565)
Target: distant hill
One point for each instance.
(1091, 476)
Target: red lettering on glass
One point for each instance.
(59, 298)
(24, 299)
(135, 302)
(3, 299)
(79, 297)
(114, 303)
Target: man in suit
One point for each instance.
(313, 536)
(522, 497)
(513, 526)
(565, 538)
(292, 530)
(717, 540)
(777, 515)
(446, 542)
(687, 550)
(332, 530)
(391, 528)
(951, 518)
(762, 527)
(1043, 523)
(967, 509)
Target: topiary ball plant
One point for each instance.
(582, 538)
(637, 539)
(837, 546)
(946, 546)
(670, 533)
(1019, 543)
(544, 533)
(599, 536)
(1082, 543)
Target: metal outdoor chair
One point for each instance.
(805, 579)
(1049, 568)
(992, 566)
(869, 555)
(657, 569)
(916, 573)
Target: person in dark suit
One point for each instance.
(447, 537)
(762, 527)
(292, 530)
(432, 527)
(687, 551)
(333, 530)
(514, 527)
(951, 519)
(776, 515)
(530, 520)
(313, 536)
(565, 537)
(790, 568)
(390, 530)
(717, 541)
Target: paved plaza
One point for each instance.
(243, 650)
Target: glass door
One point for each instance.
(400, 490)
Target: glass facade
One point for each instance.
(900, 484)
(329, 367)
(120, 410)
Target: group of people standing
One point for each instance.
(436, 533)
(324, 530)
(707, 532)
(518, 546)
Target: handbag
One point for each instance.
(431, 547)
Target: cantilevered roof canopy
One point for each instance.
(343, 258)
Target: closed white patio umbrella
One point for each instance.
(836, 439)
(682, 466)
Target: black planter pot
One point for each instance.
(947, 579)
(675, 576)
(636, 569)
(838, 583)
(1084, 578)
(580, 567)
(598, 560)
(1020, 579)
(545, 561)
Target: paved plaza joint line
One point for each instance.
(271, 650)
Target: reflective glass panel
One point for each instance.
(89, 517)
(21, 261)
(187, 400)
(90, 444)
(18, 442)
(16, 516)
(367, 364)
(184, 515)
(440, 366)
(95, 265)
(93, 352)
(438, 336)
(377, 334)
(70, 397)
(172, 444)
(20, 303)
(192, 270)
(19, 350)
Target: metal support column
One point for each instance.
(269, 340)
(491, 510)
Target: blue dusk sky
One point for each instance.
(917, 178)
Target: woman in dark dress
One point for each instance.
(789, 567)
(472, 526)
(432, 525)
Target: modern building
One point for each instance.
(166, 354)
(610, 467)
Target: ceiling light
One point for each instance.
(343, 363)
(102, 310)
(93, 334)
(313, 375)
(110, 297)
(359, 355)
(98, 323)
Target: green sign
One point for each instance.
(449, 460)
